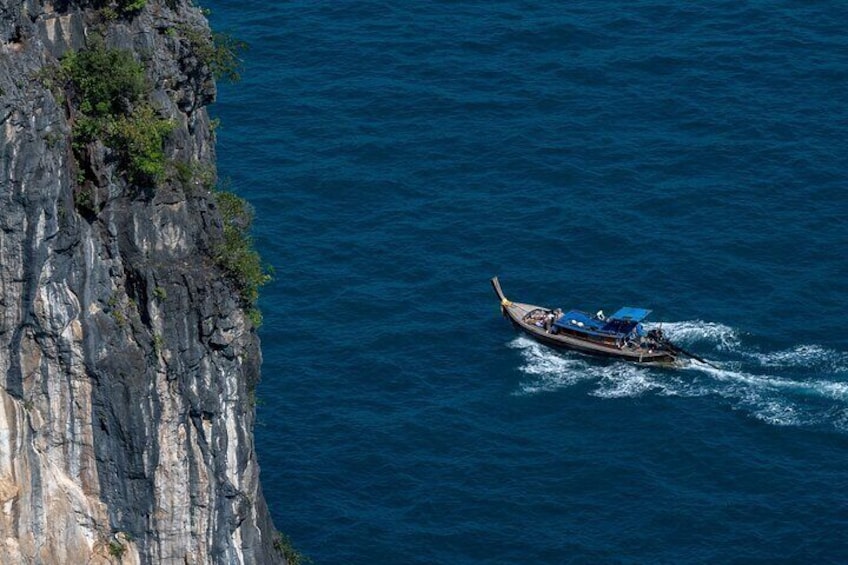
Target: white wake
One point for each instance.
(753, 381)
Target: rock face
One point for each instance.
(127, 363)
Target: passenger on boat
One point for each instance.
(549, 320)
(557, 315)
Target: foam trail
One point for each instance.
(690, 332)
(812, 356)
(624, 380)
(553, 371)
(824, 388)
(780, 401)
(771, 398)
(550, 371)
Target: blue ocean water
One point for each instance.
(684, 157)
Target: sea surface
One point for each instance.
(688, 157)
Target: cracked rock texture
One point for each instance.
(127, 363)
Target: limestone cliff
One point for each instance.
(127, 362)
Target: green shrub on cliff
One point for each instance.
(283, 545)
(218, 51)
(105, 82)
(236, 253)
(138, 137)
(110, 92)
(112, 9)
(116, 549)
(192, 177)
(131, 5)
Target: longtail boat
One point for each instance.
(621, 335)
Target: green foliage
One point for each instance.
(236, 211)
(122, 309)
(116, 549)
(106, 82)
(109, 13)
(138, 138)
(218, 51)
(236, 253)
(112, 9)
(184, 174)
(84, 200)
(255, 316)
(131, 5)
(50, 77)
(158, 343)
(192, 176)
(110, 92)
(85, 131)
(226, 59)
(284, 547)
(53, 139)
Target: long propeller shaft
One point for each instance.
(690, 354)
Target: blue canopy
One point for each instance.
(630, 314)
(575, 319)
(619, 325)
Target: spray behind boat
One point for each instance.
(677, 349)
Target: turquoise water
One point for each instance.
(683, 158)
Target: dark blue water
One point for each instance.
(689, 158)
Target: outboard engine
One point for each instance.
(656, 335)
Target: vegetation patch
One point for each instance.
(284, 547)
(192, 177)
(110, 92)
(105, 82)
(116, 549)
(236, 253)
(158, 343)
(114, 9)
(220, 52)
(138, 137)
(116, 308)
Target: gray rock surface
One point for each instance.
(127, 364)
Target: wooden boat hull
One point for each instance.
(516, 311)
